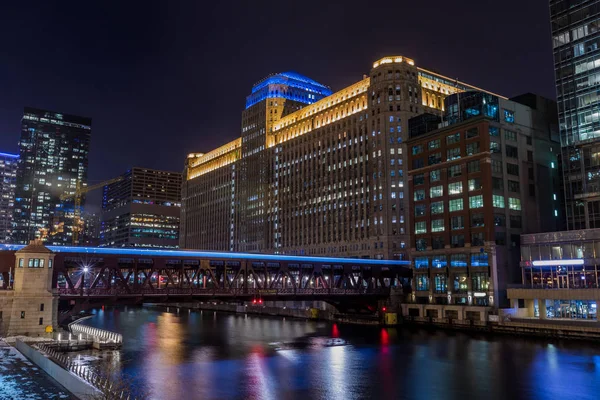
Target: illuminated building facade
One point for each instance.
(53, 152)
(314, 172)
(142, 210)
(576, 40)
(8, 177)
(473, 192)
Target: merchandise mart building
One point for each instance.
(315, 172)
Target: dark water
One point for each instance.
(206, 355)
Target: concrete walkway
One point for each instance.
(20, 379)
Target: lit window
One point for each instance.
(514, 204)
(509, 116)
(436, 191)
(420, 227)
(455, 205)
(454, 188)
(498, 201)
(437, 207)
(476, 201)
(437, 225)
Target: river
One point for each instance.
(177, 354)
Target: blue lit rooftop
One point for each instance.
(299, 88)
(9, 155)
(210, 254)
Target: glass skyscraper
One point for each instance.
(576, 35)
(8, 173)
(53, 162)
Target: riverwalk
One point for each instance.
(20, 379)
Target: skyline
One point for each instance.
(113, 78)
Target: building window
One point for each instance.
(514, 204)
(434, 175)
(513, 186)
(510, 135)
(420, 210)
(498, 201)
(458, 260)
(422, 282)
(500, 238)
(458, 240)
(477, 220)
(509, 116)
(497, 183)
(437, 243)
(440, 282)
(479, 259)
(453, 153)
(460, 283)
(476, 201)
(454, 138)
(42, 307)
(436, 191)
(511, 151)
(497, 166)
(421, 244)
(419, 179)
(439, 262)
(419, 195)
(457, 222)
(41, 321)
(437, 207)
(418, 149)
(512, 169)
(499, 220)
(437, 225)
(477, 239)
(516, 221)
(472, 148)
(494, 131)
(22, 314)
(421, 262)
(455, 205)
(472, 132)
(454, 171)
(434, 144)
(21, 262)
(494, 147)
(480, 281)
(434, 158)
(417, 163)
(474, 184)
(454, 188)
(420, 227)
(473, 166)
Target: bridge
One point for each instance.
(109, 275)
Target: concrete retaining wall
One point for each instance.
(72, 383)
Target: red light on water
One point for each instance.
(335, 332)
(260, 301)
(254, 301)
(383, 309)
(385, 337)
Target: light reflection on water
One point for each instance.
(206, 355)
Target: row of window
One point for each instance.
(454, 260)
(34, 263)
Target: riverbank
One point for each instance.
(20, 379)
(306, 313)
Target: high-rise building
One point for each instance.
(142, 210)
(315, 172)
(90, 235)
(8, 177)
(53, 162)
(473, 193)
(576, 40)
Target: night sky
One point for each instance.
(161, 79)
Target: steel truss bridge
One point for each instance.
(114, 274)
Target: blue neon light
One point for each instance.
(9, 155)
(209, 254)
(299, 88)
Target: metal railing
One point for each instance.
(98, 334)
(102, 383)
